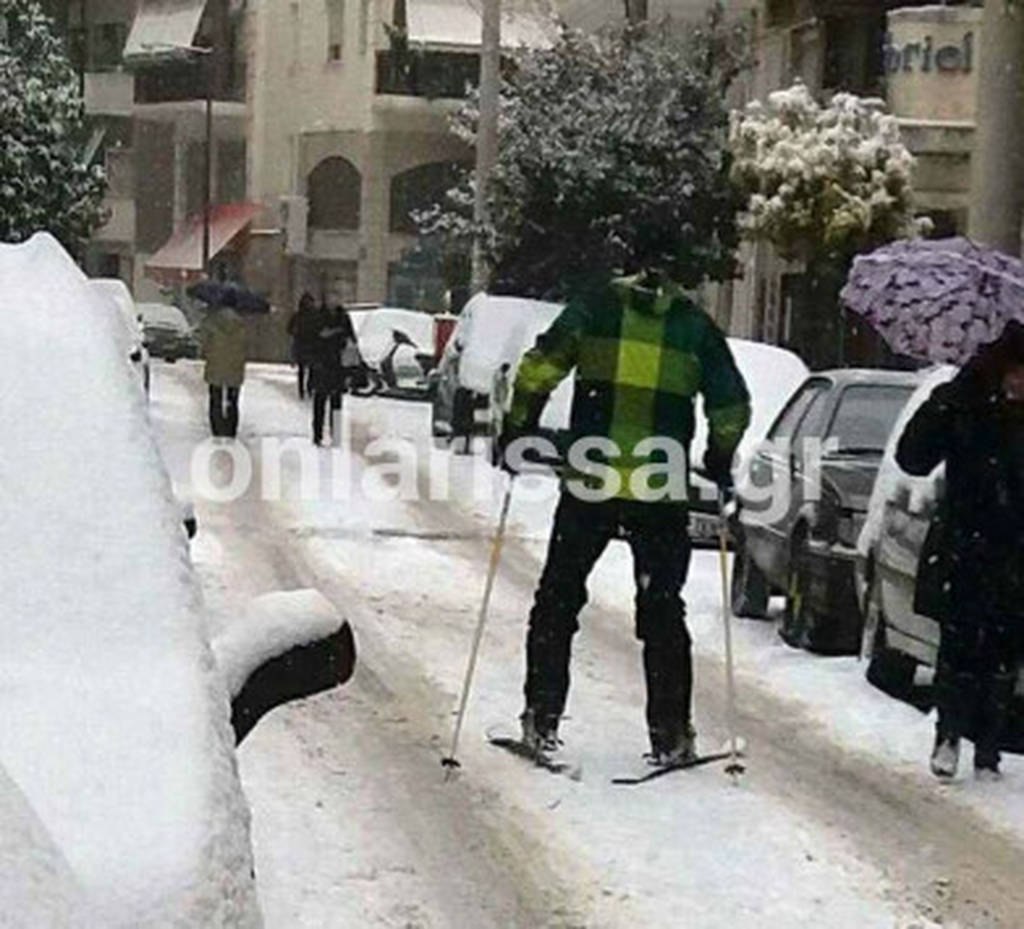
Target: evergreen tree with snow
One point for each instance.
(613, 155)
(44, 182)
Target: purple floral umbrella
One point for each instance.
(936, 299)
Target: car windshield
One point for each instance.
(865, 417)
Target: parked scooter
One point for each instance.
(389, 379)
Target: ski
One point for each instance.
(520, 749)
(681, 766)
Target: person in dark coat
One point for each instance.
(335, 359)
(971, 574)
(302, 329)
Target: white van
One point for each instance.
(491, 335)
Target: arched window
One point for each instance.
(334, 190)
(418, 189)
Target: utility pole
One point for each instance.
(208, 72)
(487, 130)
(997, 162)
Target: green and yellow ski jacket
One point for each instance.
(641, 356)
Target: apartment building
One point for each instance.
(147, 69)
(349, 104)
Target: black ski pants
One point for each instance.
(224, 410)
(975, 677)
(320, 401)
(658, 537)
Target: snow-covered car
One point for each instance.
(168, 334)
(116, 292)
(802, 499)
(398, 347)
(897, 639)
(490, 337)
(771, 375)
(120, 802)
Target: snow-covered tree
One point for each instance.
(44, 183)
(613, 155)
(821, 180)
(822, 183)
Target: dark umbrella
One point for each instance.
(228, 293)
(938, 300)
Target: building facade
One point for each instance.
(921, 62)
(349, 108)
(146, 74)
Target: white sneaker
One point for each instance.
(945, 758)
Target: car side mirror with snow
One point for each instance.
(288, 645)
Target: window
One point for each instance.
(335, 29)
(107, 44)
(334, 189)
(427, 74)
(790, 418)
(865, 417)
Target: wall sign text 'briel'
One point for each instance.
(925, 56)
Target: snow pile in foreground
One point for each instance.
(891, 477)
(115, 717)
(273, 624)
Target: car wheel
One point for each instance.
(749, 591)
(889, 670)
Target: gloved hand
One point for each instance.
(718, 468)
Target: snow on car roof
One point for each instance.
(115, 716)
(373, 329)
(494, 331)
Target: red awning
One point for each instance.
(181, 257)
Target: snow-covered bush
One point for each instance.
(613, 154)
(45, 184)
(832, 179)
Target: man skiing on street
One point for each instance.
(641, 351)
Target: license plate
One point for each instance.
(703, 527)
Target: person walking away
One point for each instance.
(302, 329)
(331, 368)
(971, 570)
(642, 352)
(223, 339)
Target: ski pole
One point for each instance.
(735, 766)
(450, 761)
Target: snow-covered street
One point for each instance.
(837, 821)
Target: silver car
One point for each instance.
(800, 539)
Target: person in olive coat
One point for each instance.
(971, 573)
(223, 338)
